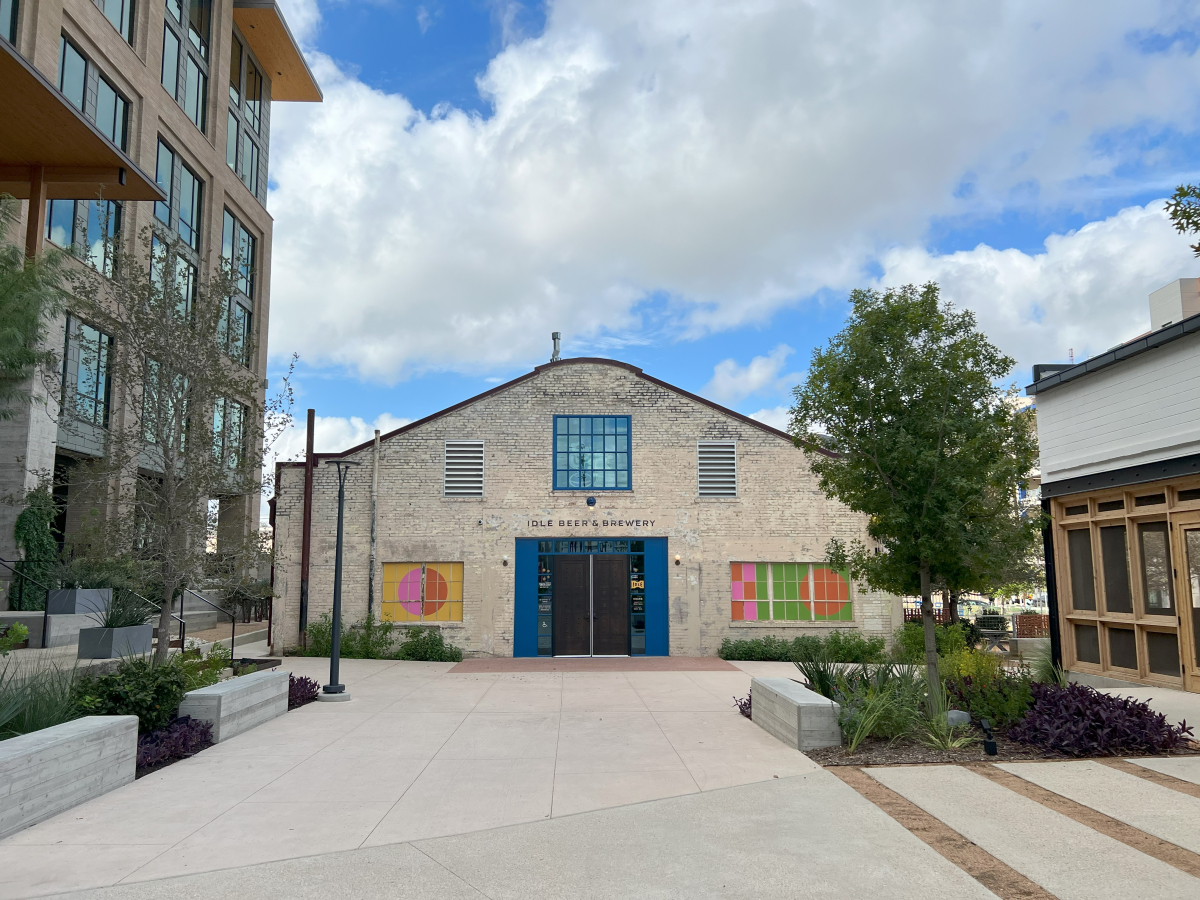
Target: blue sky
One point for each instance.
(1061, 153)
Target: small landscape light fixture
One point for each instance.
(676, 559)
(989, 740)
(505, 559)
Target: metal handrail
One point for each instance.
(45, 609)
(232, 616)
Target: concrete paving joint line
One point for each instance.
(1160, 778)
(1172, 854)
(998, 877)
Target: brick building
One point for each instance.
(585, 508)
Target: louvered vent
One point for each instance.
(718, 468)
(464, 469)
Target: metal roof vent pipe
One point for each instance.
(557, 338)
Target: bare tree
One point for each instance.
(188, 422)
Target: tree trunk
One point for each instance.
(163, 650)
(954, 617)
(933, 683)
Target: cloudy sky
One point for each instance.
(694, 187)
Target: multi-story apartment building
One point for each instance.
(176, 93)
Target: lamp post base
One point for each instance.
(334, 698)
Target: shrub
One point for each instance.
(366, 640)
(1080, 721)
(11, 635)
(979, 684)
(837, 646)
(139, 687)
(301, 690)
(35, 699)
(909, 647)
(1043, 669)
(428, 645)
(744, 706)
(884, 703)
(182, 738)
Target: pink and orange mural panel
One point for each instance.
(422, 592)
(795, 592)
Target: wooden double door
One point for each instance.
(591, 605)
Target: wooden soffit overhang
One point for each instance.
(266, 31)
(41, 130)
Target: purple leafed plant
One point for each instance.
(1080, 721)
(743, 705)
(184, 737)
(301, 690)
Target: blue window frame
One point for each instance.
(591, 453)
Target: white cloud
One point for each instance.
(331, 434)
(1088, 291)
(731, 382)
(729, 157)
(777, 417)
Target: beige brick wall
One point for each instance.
(779, 515)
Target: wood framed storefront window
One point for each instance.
(1127, 607)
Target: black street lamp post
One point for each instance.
(335, 690)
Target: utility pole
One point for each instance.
(374, 498)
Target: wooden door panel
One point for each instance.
(610, 605)
(572, 625)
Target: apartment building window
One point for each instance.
(178, 272)
(72, 74)
(8, 20)
(239, 250)
(191, 190)
(164, 174)
(77, 79)
(244, 139)
(180, 212)
(86, 383)
(185, 56)
(112, 113)
(229, 431)
(88, 228)
(120, 14)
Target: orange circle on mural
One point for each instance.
(830, 591)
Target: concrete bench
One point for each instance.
(238, 704)
(48, 771)
(791, 712)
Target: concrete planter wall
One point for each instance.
(48, 771)
(791, 712)
(110, 643)
(239, 704)
(78, 601)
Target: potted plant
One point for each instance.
(75, 601)
(123, 629)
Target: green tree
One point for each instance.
(901, 419)
(1184, 210)
(30, 297)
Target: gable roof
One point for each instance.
(574, 361)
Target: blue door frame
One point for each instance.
(526, 589)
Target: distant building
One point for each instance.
(582, 509)
(1120, 479)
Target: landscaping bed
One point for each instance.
(876, 752)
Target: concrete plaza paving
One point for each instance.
(417, 753)
(433, 783)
